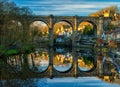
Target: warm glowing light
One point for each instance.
(106, 78)
(62, 28)
(82, 64)
(82, 26)
(60, 59)
(106, 14)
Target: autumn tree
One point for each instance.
(88, 30)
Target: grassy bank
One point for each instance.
(13, 51)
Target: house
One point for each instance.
(114, 35)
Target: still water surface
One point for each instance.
(63, 60)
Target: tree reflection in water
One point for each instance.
(62, 62)
(85, 63)
(15, 62)
(38, 62)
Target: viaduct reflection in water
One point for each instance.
(60, 62)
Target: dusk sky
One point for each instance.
(66, 7)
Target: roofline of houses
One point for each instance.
(117, 30)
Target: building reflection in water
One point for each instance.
(108, 71)
(62, 62)
(63, 59)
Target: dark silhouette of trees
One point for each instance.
(11, 30)
(10, 8)
(110, 27)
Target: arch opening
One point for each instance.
(87, 28)
(38, 61)
(62, 62)
(62, 33)
(39, 31)
(86, 33)
(86, 61)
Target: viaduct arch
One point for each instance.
(99, 23)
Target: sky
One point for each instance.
(66, 7)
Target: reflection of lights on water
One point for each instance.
(62, 62)
(61, 59)
(83, 66)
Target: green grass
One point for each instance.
(12, 51)
(8, 52)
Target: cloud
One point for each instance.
(64, 7)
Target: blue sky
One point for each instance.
(66, 7)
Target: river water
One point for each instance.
(34, 69)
